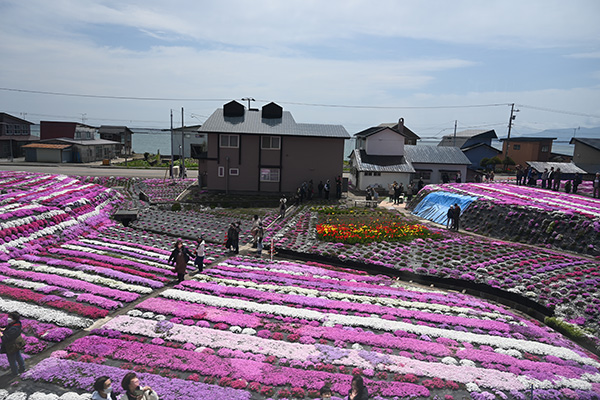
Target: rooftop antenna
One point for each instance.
(248, 99)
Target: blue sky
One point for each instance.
(425, 61)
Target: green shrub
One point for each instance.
(176, 207)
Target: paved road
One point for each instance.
(88, 170)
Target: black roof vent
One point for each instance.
(233, 109)
(272, 111)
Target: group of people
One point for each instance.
(453, 215)
(180, 256)
(397, 192)
(306, 190)
(130, 383)
(550, 179)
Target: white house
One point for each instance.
(382, 157)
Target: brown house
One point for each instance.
(119, 134)
(84, 147)
(523, 149)
(14, 134)
(266, 150)
(68, 130)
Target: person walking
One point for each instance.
(326, 189)
(556, 177)
(260, 233)
(282, 207)
(320, 188)
(256, 221)
(456, 217)
(397, 192)
(179, 257)
(458, 178)
(544, 178)
(576, 182)
(450, 217)
(596, 193)
(200, 252)
(13, 343)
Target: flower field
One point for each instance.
(568, 284)
(366, 226)
(254, 329)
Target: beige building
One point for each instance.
(586, 154)
(266, 150)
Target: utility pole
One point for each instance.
(455, 122)
(172, 150)
(182, 146)
(510, 121)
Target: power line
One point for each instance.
(558, 111)
(96, 96)
(389, 107)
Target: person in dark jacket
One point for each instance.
(450, 217)
(12, 342)
(179, 258)
(134, 390)
(576, 182)
(358, 391)
(456, 217)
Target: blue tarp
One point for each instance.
(434, 206)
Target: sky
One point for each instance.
(349, 62)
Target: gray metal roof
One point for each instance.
(595, 143)
(253, 123)
(435, 155)
(565, 168)
(84, 142)
(366, 163)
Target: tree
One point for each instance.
(507, 161)
(484, 162)
(495, 161)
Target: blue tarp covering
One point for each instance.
(434, 206)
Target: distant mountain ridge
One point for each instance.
(562, 135)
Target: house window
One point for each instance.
(516, 147)
(545, 148)
(425, 175)
(221, 172)
(269, 175)
(270, 143)
(231, 141)
(98, 152)
(234, 171)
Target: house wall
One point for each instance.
(529, 151)
(53, 130)
(49, 155)
(436, 171)
(584, 154)
(385, 143)
(384, 180)
(299, 159)
(477, 154)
